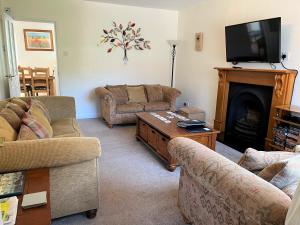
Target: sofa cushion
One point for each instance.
(36, 112)
(20, 103)
(3, 104)
(288, 178)
(136, 94)
(157, 106)
(12, 118)
(26, 133)
(16, 108)
(6, 130)
(41, 106)
(119, 92)
(154, 93)
(37, 127)
(67, 127)
(255, 161)
(130, 108)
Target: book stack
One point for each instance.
(279, 137)
(286, 137)
(292, 138)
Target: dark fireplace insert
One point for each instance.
(247, 118)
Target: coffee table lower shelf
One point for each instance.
(156, 135)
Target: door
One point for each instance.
(11, 59)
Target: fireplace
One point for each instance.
(246, 104)
(248, 110)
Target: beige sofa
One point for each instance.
(216, 191)
(116, 108)
(71, 158)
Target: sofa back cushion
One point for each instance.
(119, 92)
(41, 106)
(136, 94)
(26, 133)
(154, 93)
(11, 117)
(6, 130)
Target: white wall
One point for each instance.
(82, 65)
(196, 77)
(3, 81)
(34, 58)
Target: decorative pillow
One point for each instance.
(20, 103)
(136, 94)
(288, 178)
(154, 93)
(39, 115)
(254, 160)
(119, 92)
(16, 108)
(11, 117)
(41, 106)
(6, 130)
(36, 126)
(297, 148)
(26, 133)
(270, 171)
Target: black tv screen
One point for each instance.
(258, 41)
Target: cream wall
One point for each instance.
(34, 58)
(82, 64)
(196, 77)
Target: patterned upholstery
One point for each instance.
(119, 92)
(113, 113)
(216, 191)
(154, 93)
(130, 108)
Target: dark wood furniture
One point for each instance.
(156, 135)
(281, 118)
(282, 82)
(35, 181)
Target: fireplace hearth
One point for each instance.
(247, 119)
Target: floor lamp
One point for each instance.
(173, 44)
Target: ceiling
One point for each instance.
(160, 4)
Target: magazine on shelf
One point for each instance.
(8, 210)
(11, 184)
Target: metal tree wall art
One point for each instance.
(125, 37)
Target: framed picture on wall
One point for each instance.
(38, 40)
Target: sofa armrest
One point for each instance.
(107, 103)
(58, 106)
(170, 95)
(256, 161)
(238, 189)
(103, 92)
(53, 152)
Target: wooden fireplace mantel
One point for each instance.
(282, 82)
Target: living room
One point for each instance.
(135, 187)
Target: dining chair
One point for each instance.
(25, 75)
(40, 81)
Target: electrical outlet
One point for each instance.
(285, 56)
(186, 104)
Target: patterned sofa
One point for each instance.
(117, 107)
(71, 158)
(216, 191)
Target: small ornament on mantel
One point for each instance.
(124, 37)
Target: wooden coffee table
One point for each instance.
(35, 181)
(156, 135)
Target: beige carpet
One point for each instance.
(136, 189)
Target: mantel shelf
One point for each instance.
(256, 70)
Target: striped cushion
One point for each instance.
(35, 126)
(41, 106)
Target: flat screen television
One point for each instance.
(258, 41)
